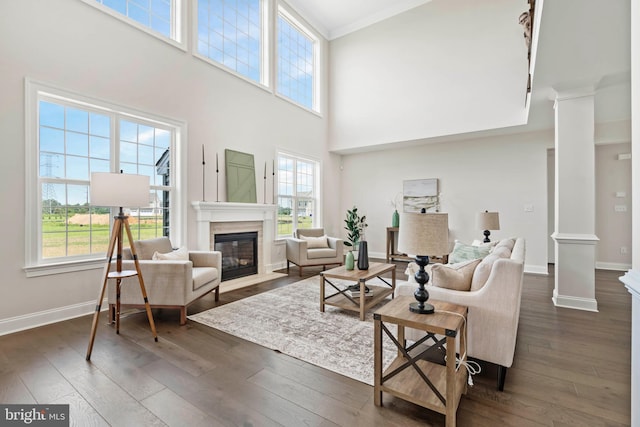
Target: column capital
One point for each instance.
(563, 94)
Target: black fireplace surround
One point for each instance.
(239, 254)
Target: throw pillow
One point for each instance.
(462, 252)
(316, 242)
(181, 254)
(412, 269)
(482, 272)
(454, 276)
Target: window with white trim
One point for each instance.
(159, 16)
(232, 33)
(74, 138)
(297, 61)
(298, 193)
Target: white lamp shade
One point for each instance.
(424, 234)
(119, 189)
(488, 221)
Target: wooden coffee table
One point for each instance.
(360, 305)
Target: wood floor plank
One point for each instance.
(173, 410)
(81, 414)
(115, 405)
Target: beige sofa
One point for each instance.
(170, 283)
(494, 307)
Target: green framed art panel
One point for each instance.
(241, 177)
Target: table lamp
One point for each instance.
(423, 234)
(119, 190)
(488, 221)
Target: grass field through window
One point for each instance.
(89, 234)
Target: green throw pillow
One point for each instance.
(462, 252)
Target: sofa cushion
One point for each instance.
(203, 275)
(321, 253)
(482, 271)
(316, 242)
(508, 243)
(181, 254)
(454, 276)
(146, 248)
(463, 252)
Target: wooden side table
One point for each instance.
(411, 377)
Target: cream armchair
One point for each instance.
(170, 283)
(312, 247)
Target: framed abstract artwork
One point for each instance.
(420, 193)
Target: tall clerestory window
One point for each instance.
(233, 33)
(297, 56)
(298, 193)
(159, 16)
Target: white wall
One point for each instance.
(447, 67)
(613, 228)
(498, 174)
(77, 47)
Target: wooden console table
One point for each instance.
(412, 376)
(392, 232)
(393, 255)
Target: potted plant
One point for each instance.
(355, 225)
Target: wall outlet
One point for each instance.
(624, 250)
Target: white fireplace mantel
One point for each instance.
(221, 212)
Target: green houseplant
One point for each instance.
(355, 225)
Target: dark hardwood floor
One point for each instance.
(572, 368)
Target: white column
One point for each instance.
(632, 278)
(574, 234)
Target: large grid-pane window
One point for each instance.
(157, 15)
(296, 62)
(230, 33)
(75, 140)
(297, 193)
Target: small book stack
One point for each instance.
(354, 291)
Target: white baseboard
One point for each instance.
(536, 269)
(612, 266)
(586, 304)
(41, 318)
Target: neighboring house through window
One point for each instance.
(298, 203)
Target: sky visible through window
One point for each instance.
(295, 64)
(154, 14)
(230, 33)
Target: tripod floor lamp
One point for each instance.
(118, 189)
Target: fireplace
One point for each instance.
(213, 218)
(239, 254)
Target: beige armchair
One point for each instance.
(312, 247)
(170, 283)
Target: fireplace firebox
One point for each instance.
(239, 254)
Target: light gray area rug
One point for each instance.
(289, 320)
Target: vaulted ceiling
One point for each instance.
(580, 44)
